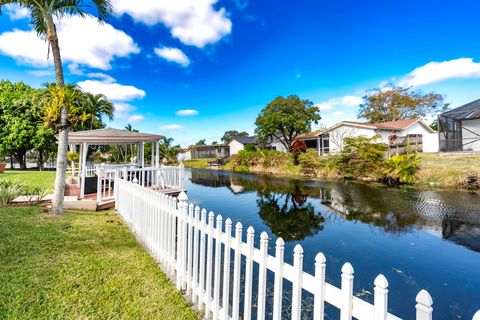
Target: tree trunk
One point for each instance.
(61, 169)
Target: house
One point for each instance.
(239, 143)
(459, 129)
(331, 140)
(195, 151)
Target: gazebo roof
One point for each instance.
(107, 136)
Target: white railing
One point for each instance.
(164, 179)
(188, 244)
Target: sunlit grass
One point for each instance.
(79, 266)
(29, 178)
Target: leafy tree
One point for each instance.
(297, 147)
(167, 151)
(230, 134)
(21, 129)
(396, 103)
(43, 14)
(97, 106)
(434, 125)
(201, 142)
(214, 142)
(250, 147)
(284, 119)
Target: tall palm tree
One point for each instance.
(97, 106)
(43, 15)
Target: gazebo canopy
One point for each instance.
(109, 136)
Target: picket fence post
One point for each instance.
(297, 282)
(216, 281)
(181, 239)
(319, 298)
(226, 268)
(196, 226)
(237, 271)
(189, 249)
(278, 282)
(347, 292)
(203, 230)
(208, 289)
(424, 305)
(247, 308)
(262, 276)
(381, 298)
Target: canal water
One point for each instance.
(418, 239)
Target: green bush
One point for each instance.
(9, 190)
(250, 147)
(310, 161)
(262, 158)
(361, 157)
(402, 169)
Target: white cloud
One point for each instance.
(187, 112)
(135, 118)
(123, 110)
(347, 101)
(82, 42)
(15, 12)
(193, 22)
(463, 68)
(173, 55)
(171, 127)
(112, 90)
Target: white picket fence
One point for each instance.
(188, 244)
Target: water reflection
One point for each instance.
(286, 206)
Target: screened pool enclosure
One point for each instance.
(459, 129)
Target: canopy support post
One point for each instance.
(84, 169)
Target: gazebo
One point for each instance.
(104, 173)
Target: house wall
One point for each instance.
(278, 146)
(471, 133)
(337, 135)
(430, 142)
(235, 147)
(429, 139)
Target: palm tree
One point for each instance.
(167, 151)
(43, 14)
(97, 106)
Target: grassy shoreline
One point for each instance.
(80, 266)
(436, 170)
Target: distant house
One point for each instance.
(239, 143)
(216, 151)
(459, 129)
(331, 140)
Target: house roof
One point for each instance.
(107, 136)
(389, 125)
(467, 111)
(245, 140)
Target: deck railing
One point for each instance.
(195, 247)
(164, 179)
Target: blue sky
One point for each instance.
(222, 61)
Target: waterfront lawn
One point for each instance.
(79, 266)
(447, 170)
(30, 178)
(198, 163)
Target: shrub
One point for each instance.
(309, 161)
(9, 190)
(402, 169)
(361, 157)
(250, 147)
(297, 147)
(260, 158)
(36, 193)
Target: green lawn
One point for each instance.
(44, 179)
(198, 163)
(79, 266)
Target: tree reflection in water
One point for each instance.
(285, 207)
(289, 215)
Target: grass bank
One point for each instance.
(79, 266)
(198, 163)
(29, 178)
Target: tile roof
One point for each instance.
(396, 125)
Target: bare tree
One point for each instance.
(338, 135)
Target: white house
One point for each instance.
(459, 129)
(331, 140)
(238, 144)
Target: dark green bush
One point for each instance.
(361, 157)
(249, 147)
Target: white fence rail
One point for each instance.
(196, 248)
(163, 178)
